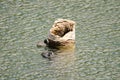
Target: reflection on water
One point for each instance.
(61, 65)
(25, 22)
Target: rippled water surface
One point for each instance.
(25, 22)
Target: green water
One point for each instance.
(25, 22)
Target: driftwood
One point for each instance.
(62, 34)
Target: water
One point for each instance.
(25, 22)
